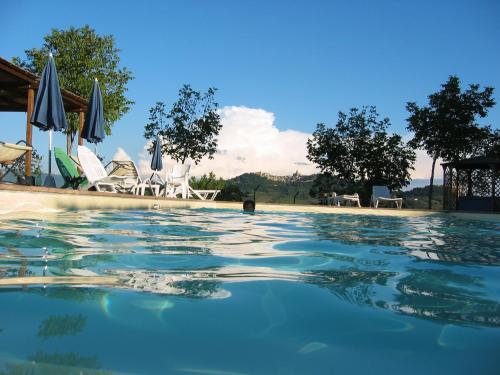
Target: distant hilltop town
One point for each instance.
(293, 178)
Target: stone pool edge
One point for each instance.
(35, 200)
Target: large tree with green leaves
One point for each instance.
(190, 129)
(360, 151)
(81, 55)
(447, 127)
(325, 184)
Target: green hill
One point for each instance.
(276, 189)
(418, 197)
(283, 189)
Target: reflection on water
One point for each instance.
(42, 363)
(55, 326)
(437, 269)
(375, 261)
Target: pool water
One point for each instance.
(223, 292)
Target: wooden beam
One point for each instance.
(80, 128)
(32, 80)
(29, 130)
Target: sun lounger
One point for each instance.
(96, 173)
(11, 154)
(127, 169)
(383, 194)
(68, 170)
(346, 198)
(204, 194)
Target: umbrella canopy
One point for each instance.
(93, 128)
(48, 111)
(156, 162)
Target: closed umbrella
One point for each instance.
(156, 162)
(48, 112)
(93, 128)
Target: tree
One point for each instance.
(36, 166)
(190, 129)
(207, 182)
(231, 192)
(325, 184)
(447, 127)
(81, 55)
(359, 151)
(489, 143)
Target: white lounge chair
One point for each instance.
(177, 183)
(128, 169)
(346, 198)
(11, 154)
(96, 173)
(204, 194)
(382, 193)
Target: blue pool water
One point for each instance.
(222, 292)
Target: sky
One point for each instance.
(280, 67)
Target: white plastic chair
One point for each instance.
(177, 181)
(382, 193)
(96, 173)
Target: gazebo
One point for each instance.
(472, 184)
(17, 94)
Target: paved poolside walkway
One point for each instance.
(30, 200)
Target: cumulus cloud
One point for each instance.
(120, 154)
(250, 142)
(423, 163)
(423, 166)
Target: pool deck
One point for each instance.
(31, 200)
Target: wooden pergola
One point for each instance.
(472, 184)
(17, 94)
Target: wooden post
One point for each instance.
(80, 128)
(493, 186)
(29, 129)
(444, 187)
(469, 182)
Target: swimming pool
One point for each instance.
(205, 291)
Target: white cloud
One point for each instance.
(120, 154)
(423, 166)
(250, 142)
(423, 163)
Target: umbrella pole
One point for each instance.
(50, 152)
(49, 180)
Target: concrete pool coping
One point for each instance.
(29, 200)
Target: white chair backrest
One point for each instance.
(178, 174)
(91, 165)
(381, 191)
(180, 170)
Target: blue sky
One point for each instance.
(302, 61)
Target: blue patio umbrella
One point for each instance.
(48, 112)
(156, 162)
(93, 128)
